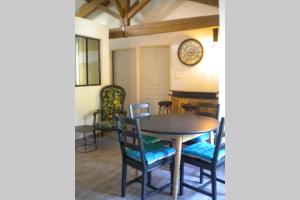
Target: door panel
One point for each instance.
(154, 75)
(124, 73)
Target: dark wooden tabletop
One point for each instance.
(178, 124)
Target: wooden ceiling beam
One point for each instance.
(120, 8)
(134, 4)
(109, 11)
(126, 8)
(214, 3)
(135, 9)
(87, 8)
(104, 3)
(165, 26)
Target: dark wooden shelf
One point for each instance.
(200, 95)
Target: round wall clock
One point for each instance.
(190, 52)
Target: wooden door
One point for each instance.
(154, 75)
(124, 73)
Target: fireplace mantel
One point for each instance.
(179, 98)
(199, 95)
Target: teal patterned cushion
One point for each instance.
(149, 139)
(106, 125)
(202, 138)
(153, 152)
(203, 151)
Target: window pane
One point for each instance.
(93, 62)
(81, 68)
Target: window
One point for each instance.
(87, 61)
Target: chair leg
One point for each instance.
(94, 134)
(84, 140)
(213, 184)
(149, 175)
(144, 187)
(181, 179)
(172, 177)
(124, 174)
(201, 175)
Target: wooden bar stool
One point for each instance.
(165, 107)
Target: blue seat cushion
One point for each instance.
(203, 137)
(203, 151)
(149, 139)
(153, 152)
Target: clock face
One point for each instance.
(190, 52)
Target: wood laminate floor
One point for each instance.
(98, 176)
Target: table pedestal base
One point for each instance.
(177, 166)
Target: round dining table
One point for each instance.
(178, 128)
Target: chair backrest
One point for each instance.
(218, 144)
(208, 109)
(129, 131)
(112, 99)
(139, 110)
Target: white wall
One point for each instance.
(222, 58)
(87, 97)
(203, 77)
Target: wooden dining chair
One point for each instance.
(208, 110)
(206, 156)
(142, 157)
(137, 111)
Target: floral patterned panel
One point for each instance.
(112, 102)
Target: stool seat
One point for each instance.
(165, 103)
(165, 106)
